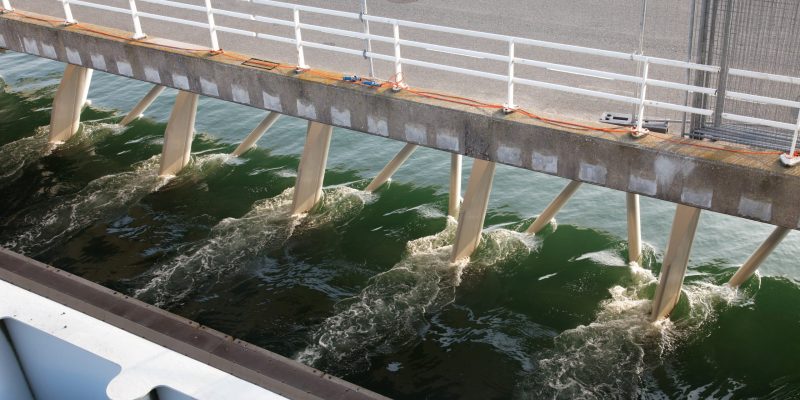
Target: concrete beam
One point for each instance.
(392, 167)
(256, 134)
(676, 260)
(311, 171)
(179, 134)
(65, 119)
(754, 261)
(634, 227)
(454, 202)
(473, 213)
(553, 208)
(753, 186)
(142, 105)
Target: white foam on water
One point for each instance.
(613, 356)
(234, 242)
(57, 220)
(390, 312)
(17, 155)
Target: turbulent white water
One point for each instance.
(19, 154)
(391, 311)
(234, 242)
(613, 356)
(46, 225)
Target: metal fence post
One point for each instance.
(301, 59)
(137, 25)
(398, 67)
(368, 41)
(212, 27)
(510, 106)
(69, 20)
(642, 96)
(7, 6)
(793, 147)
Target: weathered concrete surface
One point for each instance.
(747, 185)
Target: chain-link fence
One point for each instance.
(754, 35)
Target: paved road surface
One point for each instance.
(604, 24)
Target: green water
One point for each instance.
(361, 287)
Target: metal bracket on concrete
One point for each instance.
(676, 259)
(473, 212)
(789, 161)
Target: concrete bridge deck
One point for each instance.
(714, 177)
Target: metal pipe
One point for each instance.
(137, 25)
(510, 99)
(689, 51)
(301, 59)
(642, 99)
(722, 83)
(398, 67)
(68, 19)
(212, 27)
(793, 147)
(367, 40)
(7, 6)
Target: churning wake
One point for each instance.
(613, 356)
(391, 311)
(234, 242)
(55, 221)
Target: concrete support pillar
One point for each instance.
(675, 261)
(140, 107)
(754, 261)
(473, 211)
(552, 209)
(311, 172)
(179, 134)
(456, 160)
(256, 134)
(391, 167)
(634, 228)
(65, 119)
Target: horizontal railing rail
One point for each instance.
(643, 80)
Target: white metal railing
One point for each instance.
(510, 58)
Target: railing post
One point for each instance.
(137, 26)
(301, 59)
(7, 6)
(791, 159)
(398, 67)
(212, 27)
(642, 96)
(510, 106)
(68, 19)
(368, 41)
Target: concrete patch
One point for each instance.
(98, 61)
(124, 68)
(544, 163)
(668, 169)
(416, 133)
(697, 197)
(340, 117)
(509, 155)
(3, 41)
(447, 140)
(240, 94)
(49, 51)
(761, 210)
(208, 88)
(73, 56)
(31, 46)
(152, 74)
(306, 109)
(593, 173)
(377, 126)
(180, 81)
(272, 102)
(642, 185)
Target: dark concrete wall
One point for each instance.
(753, 186)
